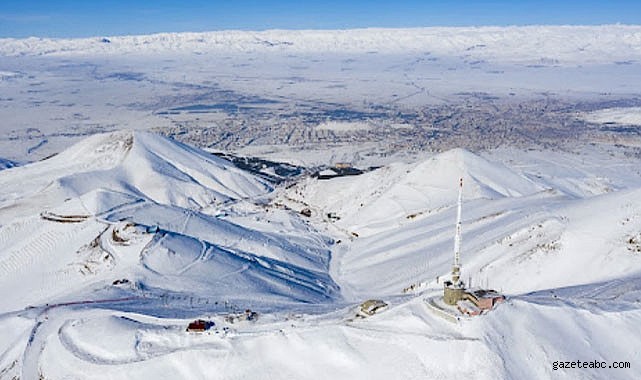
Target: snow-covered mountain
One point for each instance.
(83, 218)
(516, 224)
(546, 45)
(138, 163)
(401, 192)
(110, 248)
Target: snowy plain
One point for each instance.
(628, 115)
(239, 89)
(113, 238)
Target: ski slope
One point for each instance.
(87, 213)
(110, 248)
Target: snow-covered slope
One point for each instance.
(137, 163)
(621, 116)
(115, 244)
(137, 206)
(398, 193)
(518, 245)
(546, 45)
(398, 223)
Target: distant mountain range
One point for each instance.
(543, 45)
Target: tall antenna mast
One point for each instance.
(454, 291)
(456, 269)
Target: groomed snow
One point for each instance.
(109, 249)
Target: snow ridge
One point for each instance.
(544, 45)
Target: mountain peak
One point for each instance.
(140, 164)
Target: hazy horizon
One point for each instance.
(68, 19)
